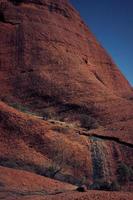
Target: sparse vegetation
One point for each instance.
(124, 173)
(18, 106)
(23, 109)
(115, 186)
(83, 181)
(88, 122)
(20, 164)
(100, 185)
(53, 169)
(59, 156)
(48, 115)
(62, 157)
(104, 185)
(61, 129)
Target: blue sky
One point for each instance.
(112, 23)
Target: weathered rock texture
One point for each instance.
(53, 66)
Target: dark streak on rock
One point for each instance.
(110, 138)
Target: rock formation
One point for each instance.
(52, 67)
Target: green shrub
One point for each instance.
(18, 107)
(123, 173)
(100, 185)
(60, 129)
(115, 186)
(83, 181)
(88, 122)
(20, 164)
(48, 115)
(23, 108)
(52, 170)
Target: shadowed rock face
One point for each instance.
(50, 63)
(30, 144)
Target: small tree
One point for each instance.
(58, 158)
(62, 157)
(53, 169)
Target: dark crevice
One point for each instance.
(17, 2)
(23, 72)
(11, 23)
(2, 18)
(115, 139)
(76, 108)
(98, 78)
(109, 138)
(71, 107)
(28, 71)
(85, 60)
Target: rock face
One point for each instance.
(53, 66)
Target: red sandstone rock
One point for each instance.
(50, 63)
(55, 61)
